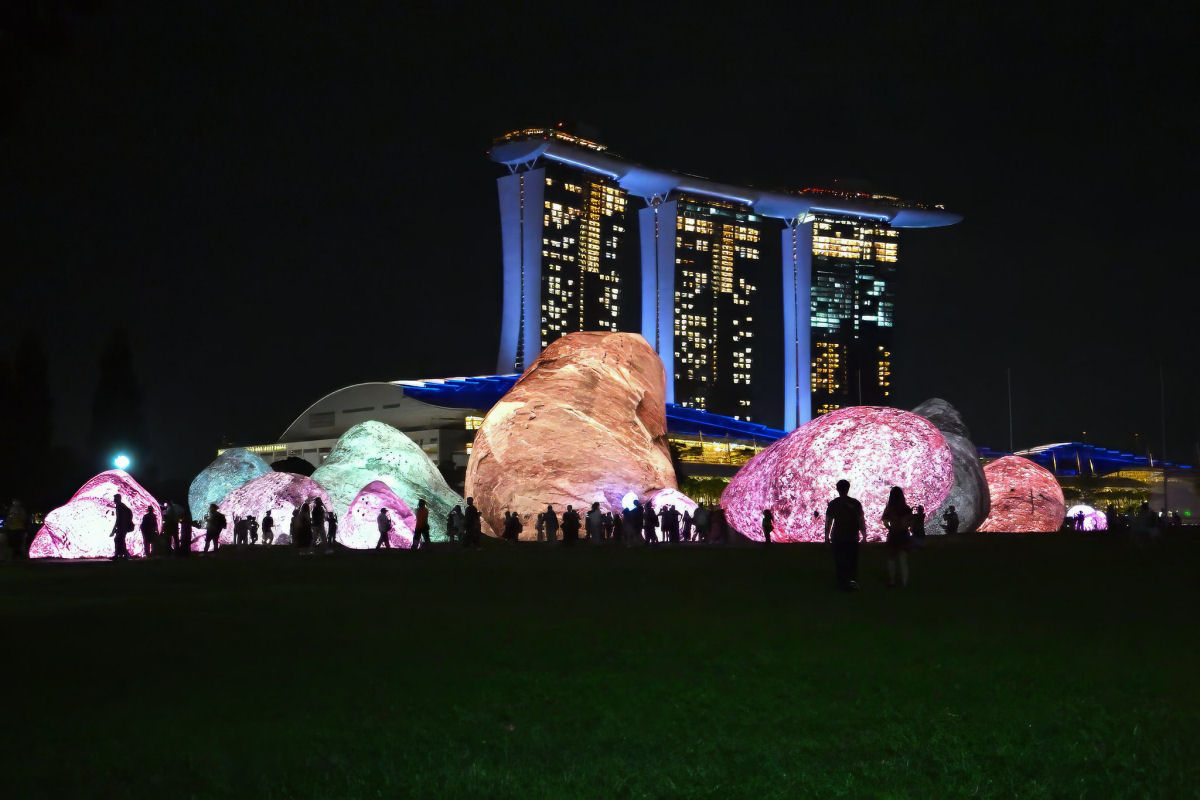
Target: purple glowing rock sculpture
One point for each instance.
(81, 528)
(874, 448)
(1093, 519)
(586, 422)
(277, 492)
(360, 526)
(672, 497)
(1025, 497)
(969, 495)
(235, 467)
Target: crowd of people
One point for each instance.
(312, 525)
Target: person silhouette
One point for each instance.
(454, 524)
(768, 525)
(898, 519)
(918, 526)
(318, 522)
(149, 531)
(268, 528)
(551, 522)
(384, 522)
(700, 521)
(213, 527)
(122, 525)
(170, 529)
(649, 524)
(844, 524)
(570, 525)
(950, 521)
(670, 524)
(593, 523)
(472, 525)
(185, 532)
(331, 520)
(422, 527)
(686, 532)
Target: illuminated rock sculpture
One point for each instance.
(1093, 519)
(277, 492)
(969, 495)
(585, 423)
(360, 525)
(374, 451)
(1025, 497)
(81, 528)
(672, 497)
(235, 467)
(874, 448)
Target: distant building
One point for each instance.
(700, 296)
(566, 261)
(853, 310)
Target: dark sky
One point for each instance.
(279, 199)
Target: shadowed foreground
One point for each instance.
(1014, 666)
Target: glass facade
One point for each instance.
(583, 253)
(852, 311)
(717, 252)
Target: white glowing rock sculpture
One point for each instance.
(1093, 519)
(360, 525)
(585, 423)
(235, 467)
(81, 528)
(374, 451)
(874, 448)
(277, 492)
(969, 495)
(1025, 497)
(672, 497)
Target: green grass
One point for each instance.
(1038, 666)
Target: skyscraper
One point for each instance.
(564, 231)
(700, 243)
(853, 310)
(704, 255)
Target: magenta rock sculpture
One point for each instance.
(1025, 497)
(81, 528)
(586, 422)
(277, 492)
(360, 529)
(1093, 519)
(672, 497)
(873, 447)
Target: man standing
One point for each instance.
(213, 527)
(473, 530)
(422, 529)
(844, 523)
(122, 526)
(593, 522)
(551, 520)
(570, 525)
(268, 528)
(385, 527)
(950, 521)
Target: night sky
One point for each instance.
(279, 199)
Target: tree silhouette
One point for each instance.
(117, 419)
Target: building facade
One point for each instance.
(699, 244)
(852, 311)
(566, 261)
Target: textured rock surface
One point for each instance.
(874, 448)
(1025, 497)
(236, 467)
(969, 495)
(1093, 519)
(585, 423)
(81, 528)
(277, 492)
(360, 526)
(374, 451)
(672, 497)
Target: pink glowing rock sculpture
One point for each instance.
(586, 422)
(1093, 519)
(1025, 497)
(360, 527)
(874, 448)
(81, 528)
(277, 492)
(672, 497)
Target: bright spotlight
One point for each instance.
(627, 500)
(121, 461)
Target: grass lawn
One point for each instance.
(1014, 666)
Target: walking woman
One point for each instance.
(897, 518)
